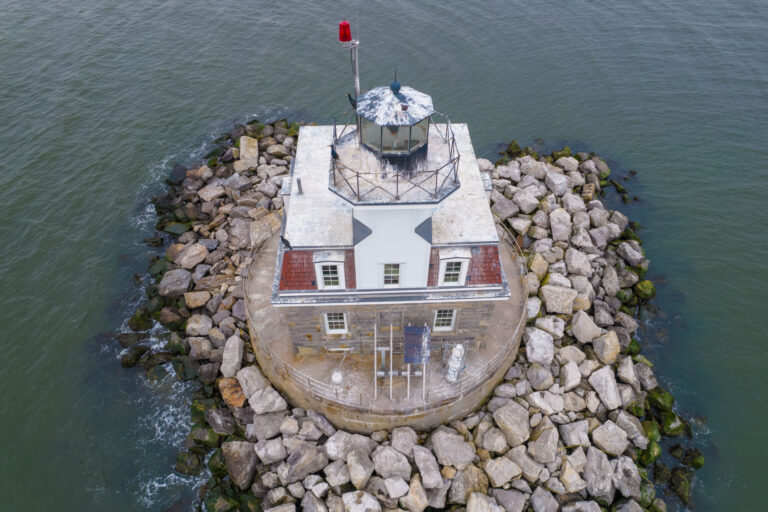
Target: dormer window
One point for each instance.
(454, 263)
(329, 270)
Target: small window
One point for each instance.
(444, 319)
(452, 272)
(335, 323)
(330, 275)
(391, 274)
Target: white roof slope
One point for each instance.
(320, 218)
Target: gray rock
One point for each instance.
(577, 262)
(396, 487)
(632, 506)
(198, 325)
(199, 348)
(360, 501)
(389, 462)
(570, 376)
(598, 473)
(233, 358)
(472, 479)
(545, 401)
(311, 503)
(560, 224)
(539, 346)
(437, 496)
(495, 441)
(416, 500)
(575, 434)
(581, 506)
(501, 470)
(571, 480)
(607, 347)
(403, 439)
(271, 451)
(451, 449)
(378, 489)
(557, 183)
(321, 422)
(428, 468)
(341, 443)
(174, 283)
(264, 426)
(240, 459)
(604, 383)
(525, 200)
(301, 462)
(251, 380)
(610, 438)
(504, 208)
(604, 234)
(510, 500)
(285, 507)
(360, 468)
(631, 252)
(512, 419)
(335, 503)
(558, 299)
(266, 400)
(632, 426)
(543, 501)
(543, 443)
(478, 502)
(584, 328)
(220, 420)
(571, 353)
(573, 203)
(603, 315)
(191, 256)
(626, 478)
(539, 377)
(553, 325)
(645, 376)
(530, 468)
(336, 473)
(210, 192)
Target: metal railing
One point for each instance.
(364, 185)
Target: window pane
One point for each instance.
(444, 318)
(336, 321)
(330, 275)
(391, 273)
(371, 133)
(452, 272)
(394, 139)
(419, 134)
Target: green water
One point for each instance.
(99, 98)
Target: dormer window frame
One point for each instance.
(449, 260)
(329, 266)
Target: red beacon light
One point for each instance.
(345, 33)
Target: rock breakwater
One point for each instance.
(575, 426)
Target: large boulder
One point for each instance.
(543, 501)
(267, 400)
(389, 462)
(249, 153)
(271, 451)
(560, 224)
(539, 346)
(191, 256)
(211, 192)
(575, 434)
(360, 501)
(607, 347)
(626, 478)
(542, 445)
(604, 383)
(610, 438)
(174, 283)
(512, 419)
(598, 473)
(451, 449)
(416, 500)
(341, 443)
(233, 356)
(303, 461)
(501, 470)
(251, 380)
(403, 439)
(558, 299)
(199, 325)
(577, 262)
(360, 468)
(584, 328)
(241, 460)
(428, 467)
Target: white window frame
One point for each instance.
(400, 265)
(454, 255)
(451, 327)
(328, 259)
(462, 272)
(328, 329)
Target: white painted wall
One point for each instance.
(393, 240)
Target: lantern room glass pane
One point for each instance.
(371, 133)
(394, 139)
(419, 134)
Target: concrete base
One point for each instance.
(355, 404)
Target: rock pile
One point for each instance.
(573, 427)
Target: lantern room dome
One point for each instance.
(395, 105)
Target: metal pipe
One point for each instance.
(408, 395)
(391, 357)
(375, 362)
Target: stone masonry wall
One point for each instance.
(307, 324)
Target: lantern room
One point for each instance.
(394, 120)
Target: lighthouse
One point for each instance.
(395, 298)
